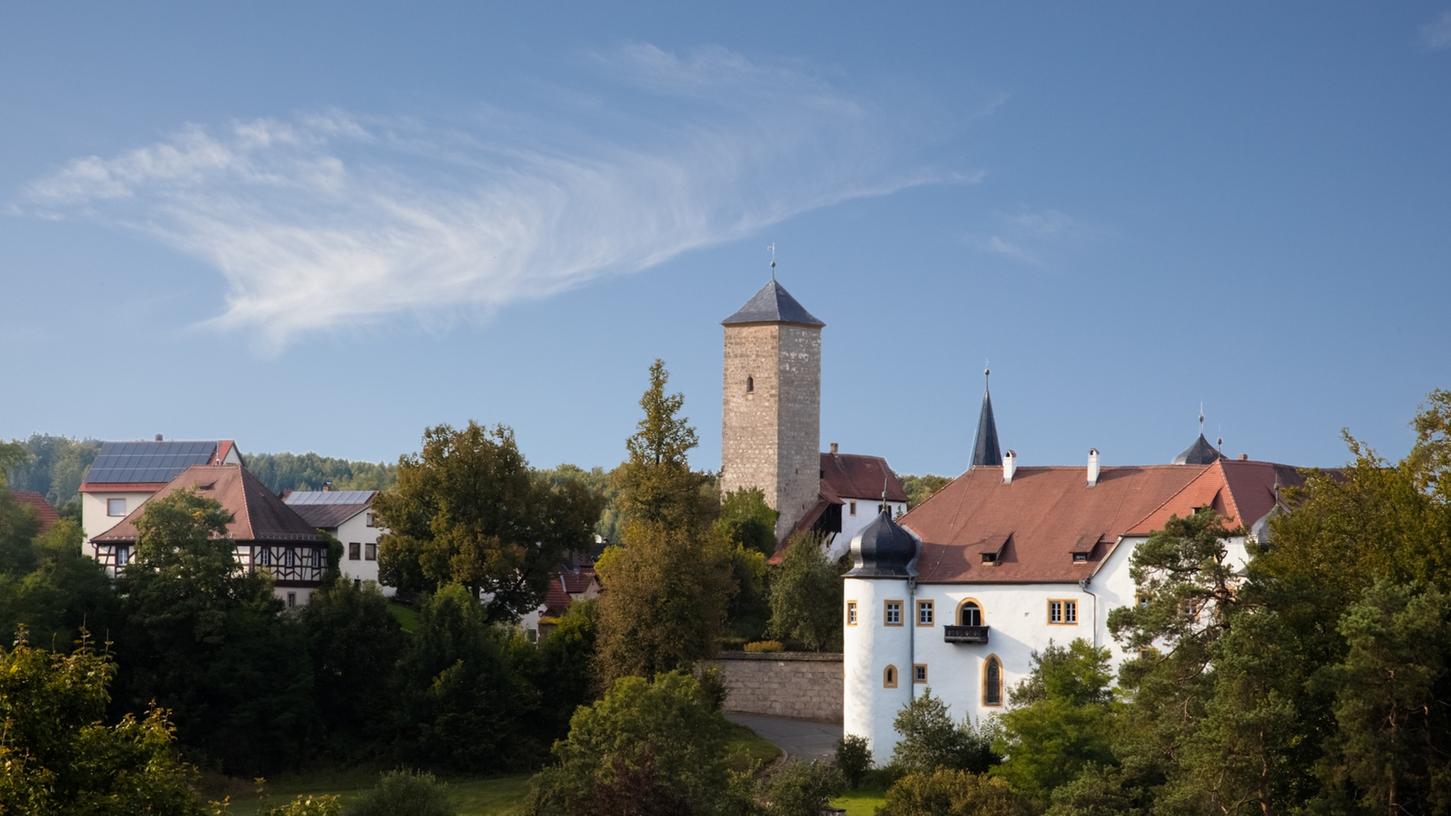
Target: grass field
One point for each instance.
(862, 802)
(493, 796)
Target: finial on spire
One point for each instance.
(1201, 416)
(986, 373)
(771, 248)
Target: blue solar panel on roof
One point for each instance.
(147, 461)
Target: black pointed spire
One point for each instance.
(986, 450)
(1200, 452)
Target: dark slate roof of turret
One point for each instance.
(882, 550)
(986, 451)
(773, 304)
(1199, 453)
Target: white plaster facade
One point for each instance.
(1017, 617)
(360, 530)
(96, 517)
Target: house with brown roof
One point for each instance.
(348, 516)
(568, 585)
(45, 515)
(269, 536)
(125, 474)
(1008, 558)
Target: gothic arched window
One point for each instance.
(992, 681)
(889, 677)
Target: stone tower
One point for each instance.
(771, 403)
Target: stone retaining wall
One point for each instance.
(804, 685)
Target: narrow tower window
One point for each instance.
(992, 681)
(889, 677)
(750, 384)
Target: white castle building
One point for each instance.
(960, 592)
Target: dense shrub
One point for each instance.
(644, 748)
(853, 759)
(801, 789)
(309, 805)
(931, 740)
(760, 646)
(947, 792)
(404, 793)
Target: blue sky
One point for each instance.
(324, 226)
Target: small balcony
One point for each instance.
(964, 634)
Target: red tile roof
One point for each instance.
(44, 513)
(577, 580)
(556, 597)
(1036, 522)
(257, 514)
(1046, 514)
(854, 476)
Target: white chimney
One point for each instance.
(833, 449)
(1092, 466)
(1010, 464)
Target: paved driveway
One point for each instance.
(800, 739)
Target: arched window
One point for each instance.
(992, 681)
(889, 677)
(969, 613)
(750, 384)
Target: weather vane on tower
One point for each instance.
(771, 248)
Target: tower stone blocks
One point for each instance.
(771, 404)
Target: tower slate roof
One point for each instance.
(986, 451)
(882, 550)
(1198, 453)
(773, 304)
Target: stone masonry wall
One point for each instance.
(771, 433)
(803, 685)
(799, 424)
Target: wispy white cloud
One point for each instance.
(1027, 236)
(1437, 33)
(335, 219)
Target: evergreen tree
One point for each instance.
(655, 484)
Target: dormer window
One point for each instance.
(1080, 558)
(989, 558)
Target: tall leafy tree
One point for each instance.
(1060, 722)
(64, 593)
(469, 510)
(806, 596)
(664, 602)
(207, 641)
(465, 703)
(355, 644)
(655, 484)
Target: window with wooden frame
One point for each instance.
(892, 613)
(370, 551)
(372, 519)
(851, 613)
(355, 551)
(926, 613)
(889, 677)
(1062, 611)
(969, 613)
(992, 681)
(919, 673)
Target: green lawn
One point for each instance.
(406, 616)
(496, 796)
(861, 802)
(746, 749)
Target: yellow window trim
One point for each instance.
(1048, 609)
(889, 677)
(981, 610)
(851, 613)
(923, 667)
(929, 605)
(902, 612)
(1001, 682)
